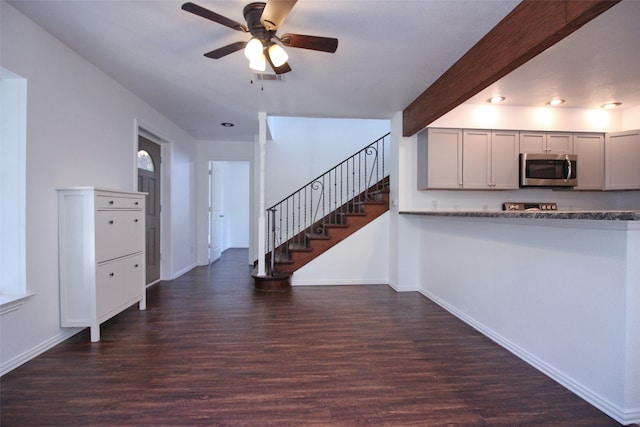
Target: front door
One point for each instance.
(149, 182)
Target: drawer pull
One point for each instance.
(111, 274)
(137, 203)
(135, 220)
(111, 222)
(110, 202)
(135, 265)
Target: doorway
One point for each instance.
(149, 182)
(229, 207)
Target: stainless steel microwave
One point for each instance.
(548, 170)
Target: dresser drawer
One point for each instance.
(119, 284)
(108, 201)
(118, 233)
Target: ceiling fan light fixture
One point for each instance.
(258, 64)
(253, 50)
(277, 55)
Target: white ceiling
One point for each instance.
(388, 53)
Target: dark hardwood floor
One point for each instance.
(210, 350)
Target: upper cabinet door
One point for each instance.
(504, 159)
(590, 150)
(622, 160)
(533, 142)
(559, 143)
(476, 159)
(440, 159)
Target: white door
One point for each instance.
(215, 211)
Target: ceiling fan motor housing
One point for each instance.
(252, 14)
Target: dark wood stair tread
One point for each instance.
(335, 225)
(317, 236)
(299, 247)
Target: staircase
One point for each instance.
(324, 212)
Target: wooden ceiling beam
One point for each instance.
(531, 28)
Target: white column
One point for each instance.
(262, 141)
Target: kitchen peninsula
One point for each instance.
(559, 289)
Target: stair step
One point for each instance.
(335, 225)
(317, 236)
(281, 259)
(352, 213)
(369, 202)
(299, 247)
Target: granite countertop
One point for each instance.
(602, 215)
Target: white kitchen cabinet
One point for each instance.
(101, 255)
(490, 160)
(589, 147)
(546, 142)
(440, 159)
(622, 160)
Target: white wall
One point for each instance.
(555, 293)
(486, 116)
(361, 259)
(304, 148)
(631, 118)
(81, 130)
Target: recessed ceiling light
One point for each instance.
(610, 105)
(227, 124)
(555, 102)
(496, 99)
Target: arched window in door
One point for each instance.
(145, 161)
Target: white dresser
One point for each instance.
(101, 255)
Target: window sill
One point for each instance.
(9, 303)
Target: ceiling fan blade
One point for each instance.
(284, 68)
(323, 44)
(275, 12)
(225, 50)
(212, 16)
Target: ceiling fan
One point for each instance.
(263, 21)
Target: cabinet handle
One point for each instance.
(111, 222)
(110, 202)
(135, 265)
(135, 220)
(111, 274)
(137, 203)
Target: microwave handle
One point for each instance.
(568, 168)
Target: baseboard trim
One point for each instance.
(615, 412)
(183, 271)
(405, 288)
(36, 351)
(335, 282)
